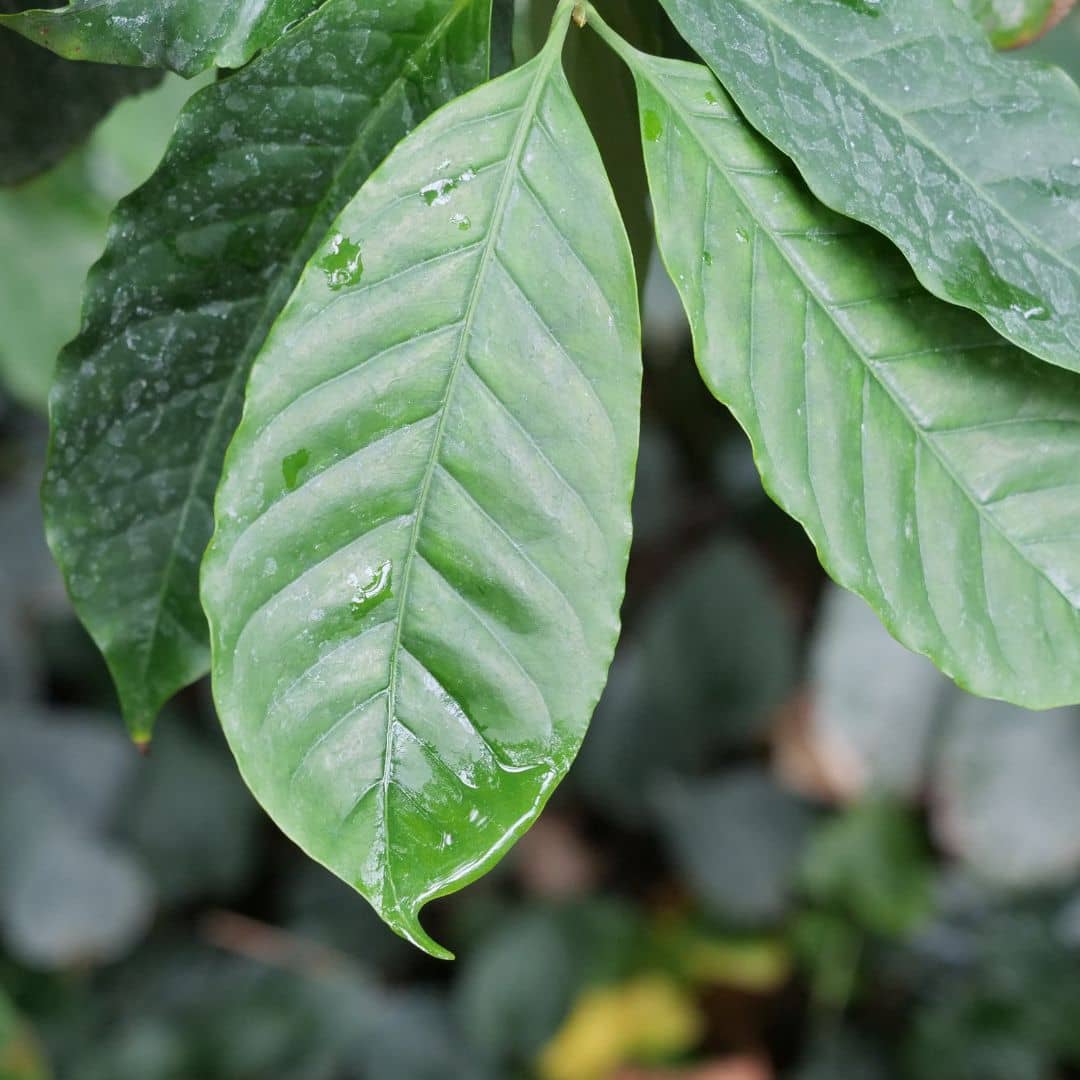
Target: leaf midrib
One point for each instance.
(321, 218)
(922, 435)
(912, 131)
(545, 61)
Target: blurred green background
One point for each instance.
(789, 848)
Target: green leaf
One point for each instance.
(186, 36)
(699, 676)
(736, 840)
(899, 114)
(200, 262)
(872, 864)
(1011, 23)
(933, 465)
(20, 1056)
(49, 104)
(424, 517)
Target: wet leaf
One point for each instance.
(411, 630)
(186, 36)
(200, 261)
(933, 465)
(899, 114)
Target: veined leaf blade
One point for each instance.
(424, 517)
(186, 36)
(900, 115)
(932, 464)
(199, 263)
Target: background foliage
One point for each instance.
(788, 848)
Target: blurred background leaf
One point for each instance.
(789, 849)
(56, 223)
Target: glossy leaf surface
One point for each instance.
(186, 36)
(424, 517)
(49, 104)
(899, 114)
(933, 465)
(200, 261)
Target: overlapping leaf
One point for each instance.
(933, 465)
(899, 114)
(200, 261)
(186, 36)
(49, 104)
(424, 517)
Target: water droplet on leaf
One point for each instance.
(651, 125)
(342, 263)
(291, 466)
(372, 590)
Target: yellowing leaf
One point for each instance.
(647, 1019)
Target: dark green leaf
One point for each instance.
(712, 656)
(193, 846)
(186, 36)
(200, 262)
(424, 518)
(737, 841)
(516, 988)
(899, 114)
(872, 864)
(49, 104)
(933, 465)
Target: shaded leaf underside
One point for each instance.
(200, 261)
(423, 522)
(933, 465)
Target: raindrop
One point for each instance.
(291, 466)
(651, 126)
(373, 590)
(342, 263)
(437, 193)
(462, 222)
